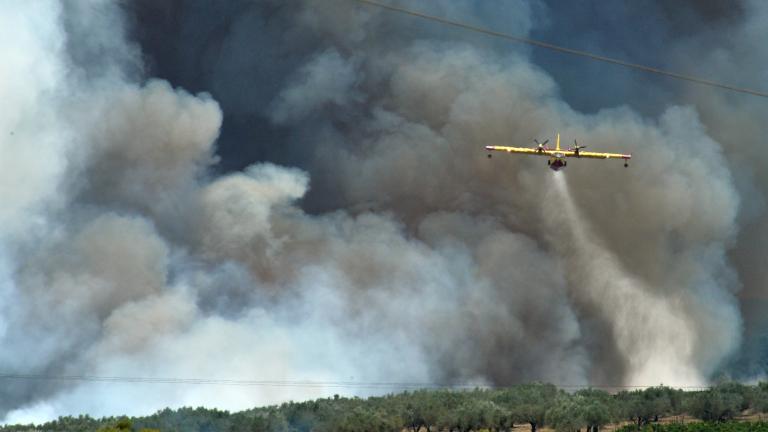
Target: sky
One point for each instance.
(297, 190)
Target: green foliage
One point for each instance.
(596, 408)
(646, 406)
(122, 425)
(474, 414)
(566, 415)
(715, 404)
(699, 427)
(270, 421)
(527, 403)
(535, 404)
(758, 397)
(360, 419)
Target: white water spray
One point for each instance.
(651, 332)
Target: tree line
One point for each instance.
(535, 405)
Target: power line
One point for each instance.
(566, 50)
(302, 383)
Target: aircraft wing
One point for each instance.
(596, 155)
(520, 150)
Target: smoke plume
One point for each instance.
(297, 191)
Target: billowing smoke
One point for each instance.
(323, 210)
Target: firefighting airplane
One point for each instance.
(557, 156)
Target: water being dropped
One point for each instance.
(651, 333)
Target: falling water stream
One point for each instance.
(650, 332)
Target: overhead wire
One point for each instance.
(562, 49)
(303, 383)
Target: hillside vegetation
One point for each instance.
(533, 406)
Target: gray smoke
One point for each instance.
(738, 123)
(386, 247)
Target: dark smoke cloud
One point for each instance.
(642, 32)
(322, 210)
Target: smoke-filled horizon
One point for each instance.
(297, 191)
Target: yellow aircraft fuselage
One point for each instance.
(557, 159)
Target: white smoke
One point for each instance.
(34, 137)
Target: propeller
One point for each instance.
(541, 145)
(576, 147)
